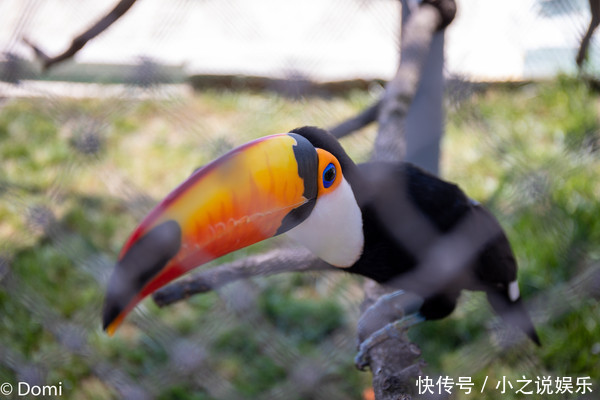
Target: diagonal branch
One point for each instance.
(585, 41)
(395, 362)
(357, 122)
(273, 262)
(78, 42)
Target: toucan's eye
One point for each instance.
(329, 175)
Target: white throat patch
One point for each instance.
(333, 231)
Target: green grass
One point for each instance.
(77, 176)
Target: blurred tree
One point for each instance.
(585, 41)
(79, 41)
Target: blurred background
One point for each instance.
(88, 147)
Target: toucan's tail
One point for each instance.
(514, 314)
(497, 269)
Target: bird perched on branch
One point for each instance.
(390, 222)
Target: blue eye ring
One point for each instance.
(329, 174)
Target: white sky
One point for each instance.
(323, 39)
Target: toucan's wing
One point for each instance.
(414, 206)
(406, 211)
(441, 202)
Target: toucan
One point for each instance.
(388, 221)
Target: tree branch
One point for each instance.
(400, 91)
(585, 41)
(78, 42)
(273, 262)
(395, 362)
(446, 10)
(363, 119)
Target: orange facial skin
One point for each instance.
(326, 158)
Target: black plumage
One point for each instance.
(424, 235)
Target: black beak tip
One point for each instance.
(116, 298)
(140, 264)
(110, 313)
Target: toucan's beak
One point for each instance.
(254, 192)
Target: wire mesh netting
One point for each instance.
(83, 163)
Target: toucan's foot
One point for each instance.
(394, 313)
(393, 330)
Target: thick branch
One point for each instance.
(78, 42)
(400, 91)
(394, 362)
(274, 262)
(446, 10)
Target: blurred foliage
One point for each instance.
(78, 175)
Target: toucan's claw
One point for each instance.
(393, 330)
(387, 318)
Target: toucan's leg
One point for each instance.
(388, 317)
(391, 330)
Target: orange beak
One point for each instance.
(252, 193)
